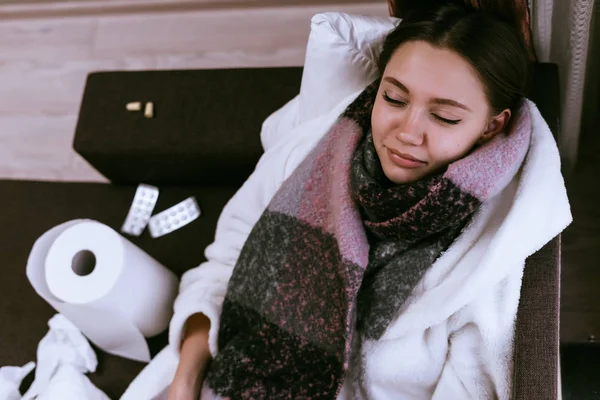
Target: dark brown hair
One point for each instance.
(490, 44)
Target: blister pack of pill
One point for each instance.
(141, 209)
(174, 217)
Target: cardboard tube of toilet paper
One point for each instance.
(113, 291)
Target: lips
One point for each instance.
(404, 160)
(407, 156)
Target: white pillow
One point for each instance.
(279, 123)
(341, 58)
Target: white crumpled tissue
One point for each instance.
(64, 356)
(10, 380)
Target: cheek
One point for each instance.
(381, 121)
(451, 146)
(377, 125)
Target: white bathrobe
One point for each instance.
(453, 339)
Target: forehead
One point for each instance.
(431, 72)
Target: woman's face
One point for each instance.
(431, 110)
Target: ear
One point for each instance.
(496, 125)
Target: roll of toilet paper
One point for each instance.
(113, 291)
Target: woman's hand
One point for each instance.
(193, 361)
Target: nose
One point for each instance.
(409, 130)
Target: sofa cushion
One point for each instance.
(205, 128)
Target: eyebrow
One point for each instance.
(448, 102)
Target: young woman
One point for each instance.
(361, 262)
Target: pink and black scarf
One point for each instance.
(336, 254)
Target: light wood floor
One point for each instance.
(44, 61)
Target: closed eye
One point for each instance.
(446, 121)
(400, 103)
(394, 102)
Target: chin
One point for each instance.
(401, 176)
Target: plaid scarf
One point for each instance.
(336, 254)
